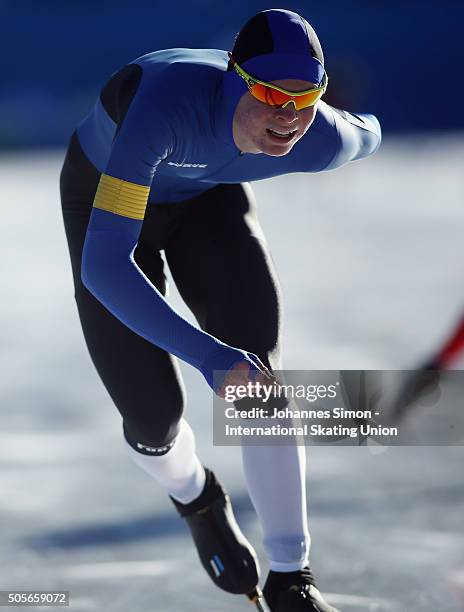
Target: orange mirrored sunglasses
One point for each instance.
(276, 96)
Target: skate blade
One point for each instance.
(257, 598)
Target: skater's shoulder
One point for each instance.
(174, 78)
(182, 63)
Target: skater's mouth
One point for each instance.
(281, 135)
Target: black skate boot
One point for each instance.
(224, 552)
(294, 592)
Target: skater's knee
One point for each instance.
(155, 433)
(155, 443)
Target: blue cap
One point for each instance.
(273, 45)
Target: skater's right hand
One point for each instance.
(232, 366)
(242, 372)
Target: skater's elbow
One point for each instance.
(371, 137)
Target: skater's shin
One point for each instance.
(179, 471)
(276, 482)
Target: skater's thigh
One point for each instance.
(222, 267)
(142, 379)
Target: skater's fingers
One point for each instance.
(245, 372)
(264, 370)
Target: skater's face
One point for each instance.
(255, 124)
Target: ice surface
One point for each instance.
(370, 258)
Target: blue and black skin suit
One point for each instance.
(154, 167)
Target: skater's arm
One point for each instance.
(357, 136)
(111, 274)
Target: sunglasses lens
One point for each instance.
(273, 97)
(308, 99)
(269, 96)
(266, 95)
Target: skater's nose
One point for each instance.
(287, 115)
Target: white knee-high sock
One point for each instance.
(179, 471)
(276, 482)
